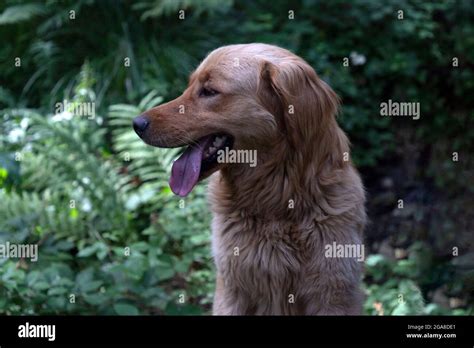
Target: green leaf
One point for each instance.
(19, 13)
(125, 309)
(57, 291)
(87, 251)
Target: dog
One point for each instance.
(274, 222)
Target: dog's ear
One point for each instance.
(304, 105)
(273, 94)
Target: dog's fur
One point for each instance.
(269, 254)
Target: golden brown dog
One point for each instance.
(274, 223)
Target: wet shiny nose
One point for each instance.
(140, 124)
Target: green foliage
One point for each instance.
(397, 296)
(399, 287)
(19, 13)
(159, 8)
(113, 238)
(151, 165)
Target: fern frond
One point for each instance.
(19, 13)
(150, 165)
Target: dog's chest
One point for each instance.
(262, 255)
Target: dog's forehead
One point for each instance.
(225, 68)
(234, 63)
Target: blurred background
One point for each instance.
(96, 199)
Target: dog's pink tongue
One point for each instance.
(186, 169)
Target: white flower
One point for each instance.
(62, 116)
(86, 205)
(15, 135)
(357, 58)
(24, 123)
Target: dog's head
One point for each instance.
(241, 97)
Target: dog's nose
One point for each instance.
(140, 124)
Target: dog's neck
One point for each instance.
(285, 185)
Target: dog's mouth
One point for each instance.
(197, 162)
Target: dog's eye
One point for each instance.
(207, 92)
